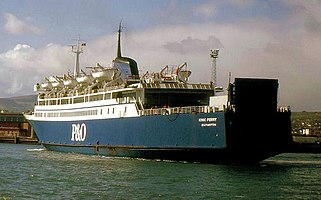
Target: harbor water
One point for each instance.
(30, 172)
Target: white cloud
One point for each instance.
(205, 10)
(190, 45)
(23, 66)
(17, 26)
(16, 86)
(20, 50)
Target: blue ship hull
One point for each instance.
(175, 137)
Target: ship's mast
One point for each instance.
(214, 56)
(77, 49)
(119, 48)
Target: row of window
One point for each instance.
(76, 113)
(12, 119)
(74, 100)
(126, 97)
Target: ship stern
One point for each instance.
(258, 129)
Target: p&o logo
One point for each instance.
(78, 132)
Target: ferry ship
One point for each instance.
(115, 111)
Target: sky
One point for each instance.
(279, 39)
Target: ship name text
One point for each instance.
(206, 122)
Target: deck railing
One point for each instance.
(284, 109)
(179, 110)
(193, 109)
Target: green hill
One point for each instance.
(18, 104)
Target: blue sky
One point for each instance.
(256, 38)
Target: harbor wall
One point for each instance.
(14, 128)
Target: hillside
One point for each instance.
(18, 104)
(306, 120)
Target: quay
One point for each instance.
(14, 128)
(306, 144)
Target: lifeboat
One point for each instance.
(56, 82)
(167, 75)
(104, 74)
(84, 79)
(69, 81)
(46, 85)
(183, 74)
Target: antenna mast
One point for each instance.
(119, 46)
(214, 56)
(77, 49)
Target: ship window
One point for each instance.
(118, 95)
(130, 94)
(64, 101)
(96, 97)
(107, 96)
(78, 100)
(125, 109)
(108, 111)
(113, 110)
(101, 111)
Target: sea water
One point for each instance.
(31, 172)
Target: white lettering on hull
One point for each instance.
(78, 132)
(207, 122)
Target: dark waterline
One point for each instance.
(30, 172)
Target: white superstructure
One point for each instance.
(118, 91)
